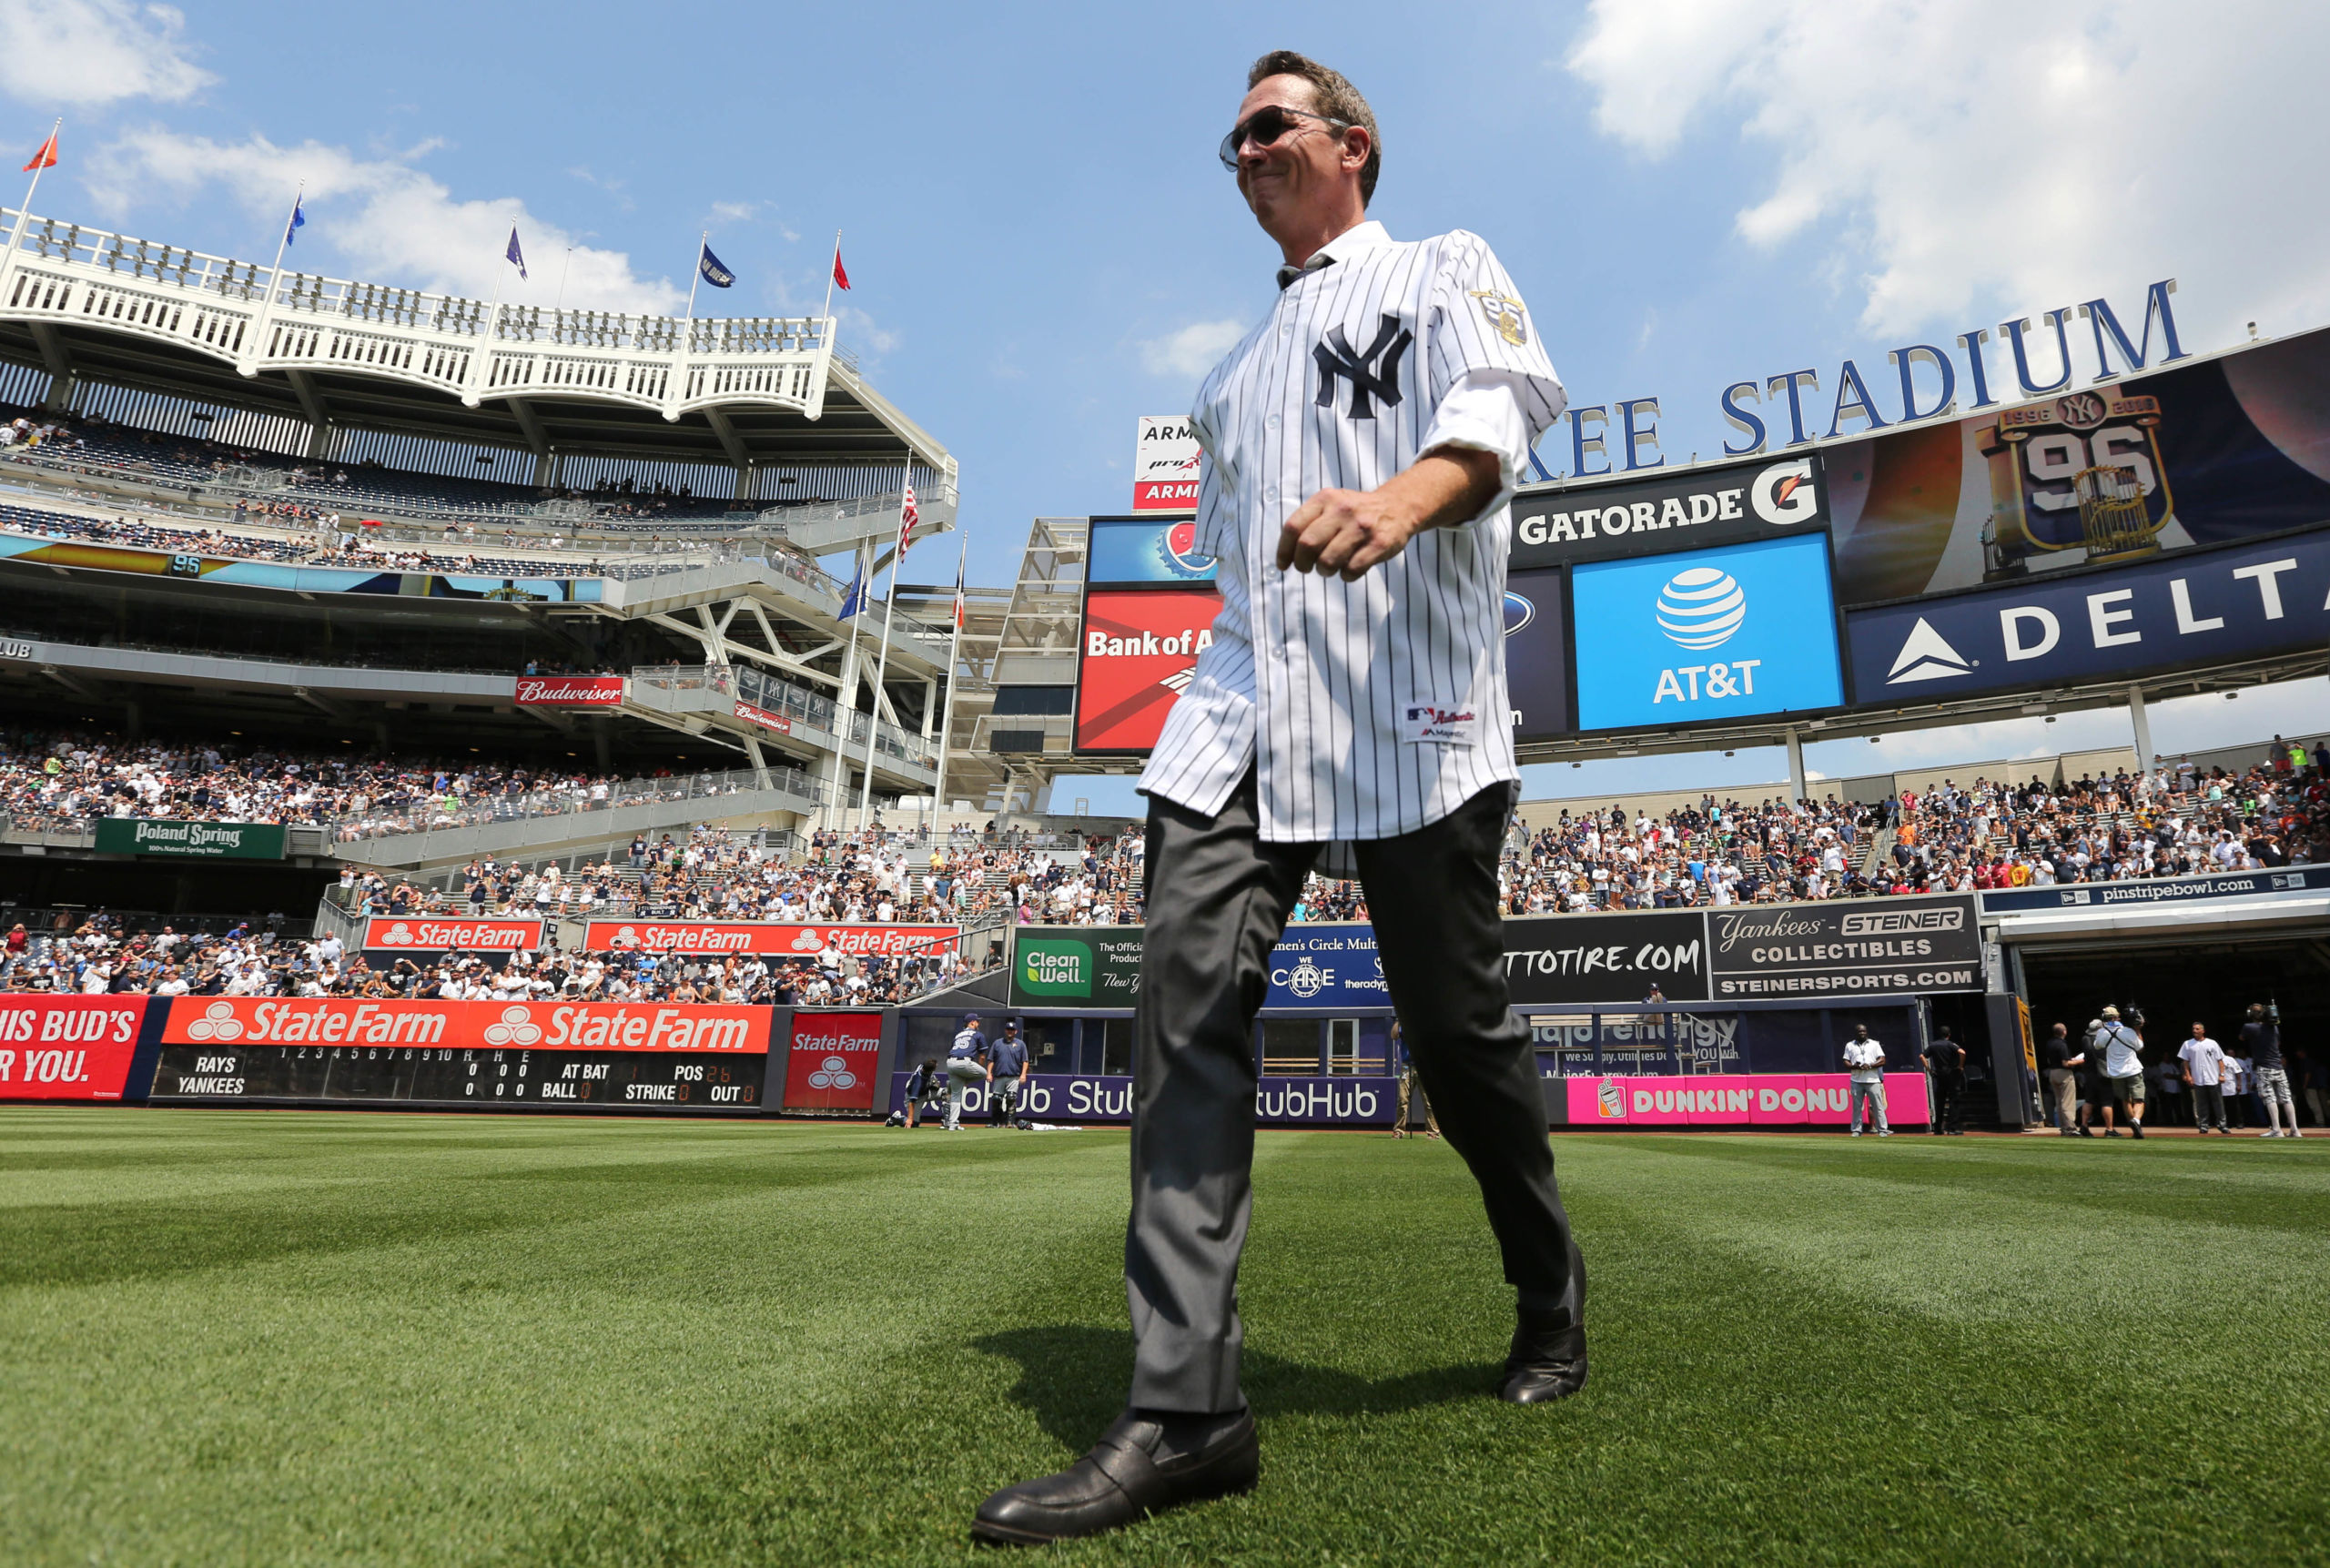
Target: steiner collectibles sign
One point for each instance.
(190, 840)
(1842, 946)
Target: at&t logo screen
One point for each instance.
(1706, 635)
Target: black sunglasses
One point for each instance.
(1265, 126)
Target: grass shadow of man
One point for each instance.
(1073, 1378)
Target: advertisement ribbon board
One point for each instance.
(769, 939)
(569, 690)
(67, 1048)
(190, 840)
(432, 934)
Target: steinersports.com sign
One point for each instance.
(189, 840)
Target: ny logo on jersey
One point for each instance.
(1335, 358)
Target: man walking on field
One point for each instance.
(1362, 443)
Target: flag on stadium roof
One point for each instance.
(959, 562)
(47, 158)
(714, 272)
(515, 257)
(299, 220)
(854, 600)
(841, 273)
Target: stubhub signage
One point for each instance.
(2243, 601)
(1705, 635)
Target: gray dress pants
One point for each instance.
(1217, 900)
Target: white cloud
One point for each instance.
(387, 221)
(1945, 152)
(734, 212)
(1191, 351)
(94, 52)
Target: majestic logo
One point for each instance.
(218, 1023)
(1926, 655)
(1519, 611)
(516, 1028)
(1783, 493)
(1506, 314)
(1335, 358)
(1701, 607)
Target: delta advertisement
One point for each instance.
(2216, 606)
(831, 1061)
(1615, 1104)
(68, 1047)
(766, 939)
(1139, 653)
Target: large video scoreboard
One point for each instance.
(558, 1056)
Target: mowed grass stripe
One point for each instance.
(1804, 1349)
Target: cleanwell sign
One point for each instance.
(2193, 607)
(1705, 635)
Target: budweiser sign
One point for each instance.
(432, 933)
(230, 1022)
(763, 718)
(777, 941)
(67, 1048)
(570, 691)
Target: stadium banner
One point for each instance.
(1139, 649)
(1165, 464)
(831, 1060)
(2193, 607)
(1120, 550)
(1843, 947)
(790, 941)
(1537, 655)
(1579, 960)
(1327, 968)
(183, 840)
(1278, 1102)
(68, 1047)
(408, 933)
(1733, 633)
(2206, 452)
(301, 579)
(1063, 966)
(1727, 503)
(560, 1055)
(569, 690)
(754, 714)
(2266, 886)
(1618, 1103)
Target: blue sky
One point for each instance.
(1044, 247)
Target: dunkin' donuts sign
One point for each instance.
(569, 690)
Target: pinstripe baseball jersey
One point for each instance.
(1373, 708)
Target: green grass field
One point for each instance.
(284, 1339)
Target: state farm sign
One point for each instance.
(570, 691)
(831, 1063)
(434, 934)
(67, 1048)
(235, 1021)
(754, 936)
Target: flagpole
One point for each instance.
(848, 694)
(703, 243)
(563, 271)
(832, 268)
(882, 659)
(954, 658)
(258, 349)
(24, 213)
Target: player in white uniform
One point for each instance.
(1363, 444)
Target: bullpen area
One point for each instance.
(276, 1337)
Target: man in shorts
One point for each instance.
(2122, 1080)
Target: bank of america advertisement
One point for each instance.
(1140, 651)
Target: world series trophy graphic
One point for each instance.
(2083, 472)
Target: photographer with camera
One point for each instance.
(2121, 1085)
(2261, 1040)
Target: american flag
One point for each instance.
(908, 515)
(958, 588)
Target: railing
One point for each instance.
(798, 704)
(446, 814)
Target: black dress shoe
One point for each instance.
(1143, 1464)
(1547, 1362)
